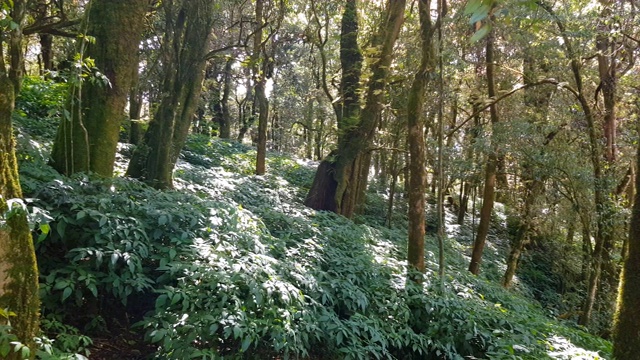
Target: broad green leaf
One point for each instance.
(66, 293)
(480, 14)
(472, 6)
(481, 33)
(245, 344)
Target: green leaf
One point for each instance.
(157, 335)
(4, 349)
(472, 6)
(93, 289)
(481, 33)
(61, 227)
(66, 293)
(480, 14)
(245, 344)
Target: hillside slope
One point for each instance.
(232, 265)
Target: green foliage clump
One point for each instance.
(40, 105)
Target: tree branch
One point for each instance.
(506, 95)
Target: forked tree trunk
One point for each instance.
(18, 268)
(347, 161)
(88, 140)
(188, 27)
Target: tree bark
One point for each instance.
(88, 141)
(626, 329)
(18, 267)
(259, 77)
(188, 27)
(225, 123)
(488, 196)
(347, 161)
(536, 101)
(416, 141)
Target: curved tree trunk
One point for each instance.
(88, 141)
(18, 268)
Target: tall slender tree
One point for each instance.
(416, 138)
(488, 194)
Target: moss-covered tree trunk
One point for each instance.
(18, 268)
(188, 27)
(347, 168)
(626, 329)
(87, 140)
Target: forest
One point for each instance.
(307, 179)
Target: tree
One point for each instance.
(415, 138)
(626, 330)
(18, 268)
(339, 182)
(488, 195)
(87, 139)
(187, 30)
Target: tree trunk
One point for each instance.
(259, 78)
(416, 141)
(356, 140)
(247, 116)
(188, 27)
(225, 123)
(536, 101)
(626, 330)
(351, 64)
(88, 141)
(46, 51)
(488, 196)
(18, 268)
(533, 189)
(135, 109)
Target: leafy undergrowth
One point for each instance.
(232, 265)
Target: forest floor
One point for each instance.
(302, 284)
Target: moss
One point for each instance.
(19, 283)
(626, 333)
